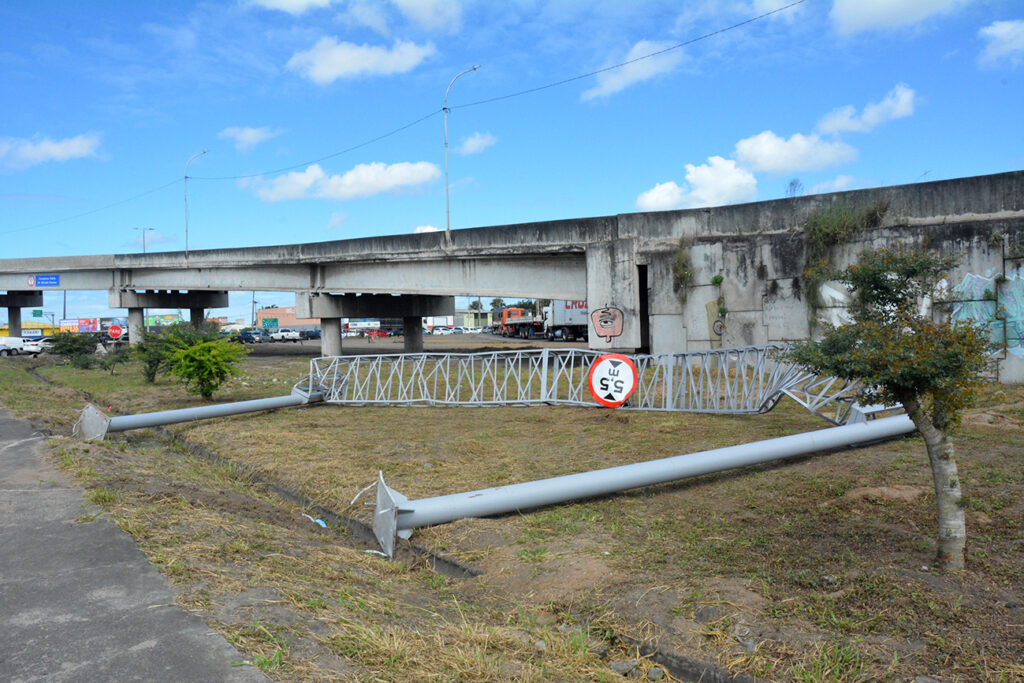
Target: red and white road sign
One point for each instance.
(115, 331)
(612, 379)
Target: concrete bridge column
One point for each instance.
(330, 336)
(195, 302)
(410, 307)
(412, 329)
(15, 301)
(136, 326)
(14, 321)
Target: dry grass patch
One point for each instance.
(772, 570)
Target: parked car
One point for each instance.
(442, 330)
(285, 334)
(309, 334)
(254, 336)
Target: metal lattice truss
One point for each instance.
(741, 380)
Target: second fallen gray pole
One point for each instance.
(123, 423)
(405, 515)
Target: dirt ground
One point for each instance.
(816, 569)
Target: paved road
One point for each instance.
(79, 601)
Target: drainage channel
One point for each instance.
(357, 529)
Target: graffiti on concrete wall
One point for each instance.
(998, 306)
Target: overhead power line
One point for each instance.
(499, 98)
(96, 210)
(564, 81)
(421, 119)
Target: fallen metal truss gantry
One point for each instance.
(744, 380)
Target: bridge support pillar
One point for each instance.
(412, 329)
(136, 325)
(196, 301)
(14, 321)
(410, 307)
(330, 336)
(15, 301)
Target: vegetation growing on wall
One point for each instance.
(828, 227)
(682, 270)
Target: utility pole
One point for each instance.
(447, 205)
(187, 163)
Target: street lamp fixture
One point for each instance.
(187, 163)
(447, 205)
(144, 231)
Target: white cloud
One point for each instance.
(426, 228)
(662, 197)
(247, 138)
(336, 220)
(716, 183)
(21, 153)
(291, 6)
(476, 143)
(1005, 41)
(613, 81)
(839, 184)
(898, 103)
(370, 15)
(766, 151)
(330, 60)
(364, 180)
(292, 185)
(433, 15)
(854, 16)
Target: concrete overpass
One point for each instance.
(650, 273)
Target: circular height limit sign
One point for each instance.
(612, 379)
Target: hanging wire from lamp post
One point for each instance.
(187, 163)
(447, 204)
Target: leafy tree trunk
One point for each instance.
(948, 497)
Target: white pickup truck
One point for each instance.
(13, 346)
(285, 334)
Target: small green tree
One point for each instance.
(204, 366)
(77, 349)
(904, 357)
(156, 349)
(497, 303)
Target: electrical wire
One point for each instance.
(406, 126)
(323, 158)
(96, 210)
(631, 61)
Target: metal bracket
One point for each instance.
(385, 516)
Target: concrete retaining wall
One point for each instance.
(759, 251)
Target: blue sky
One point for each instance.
(103, 104)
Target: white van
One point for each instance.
(13, 346)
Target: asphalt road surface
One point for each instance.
(78, 600)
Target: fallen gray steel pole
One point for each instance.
(93, 424)
(397, 516)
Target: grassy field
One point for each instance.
(819, 569)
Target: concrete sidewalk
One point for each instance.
(78, 600)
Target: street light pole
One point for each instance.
(447, 205)
(187, 163)
(144, 231)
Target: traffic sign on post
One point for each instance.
(115, 331)
(612, 379)
(270, 324)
